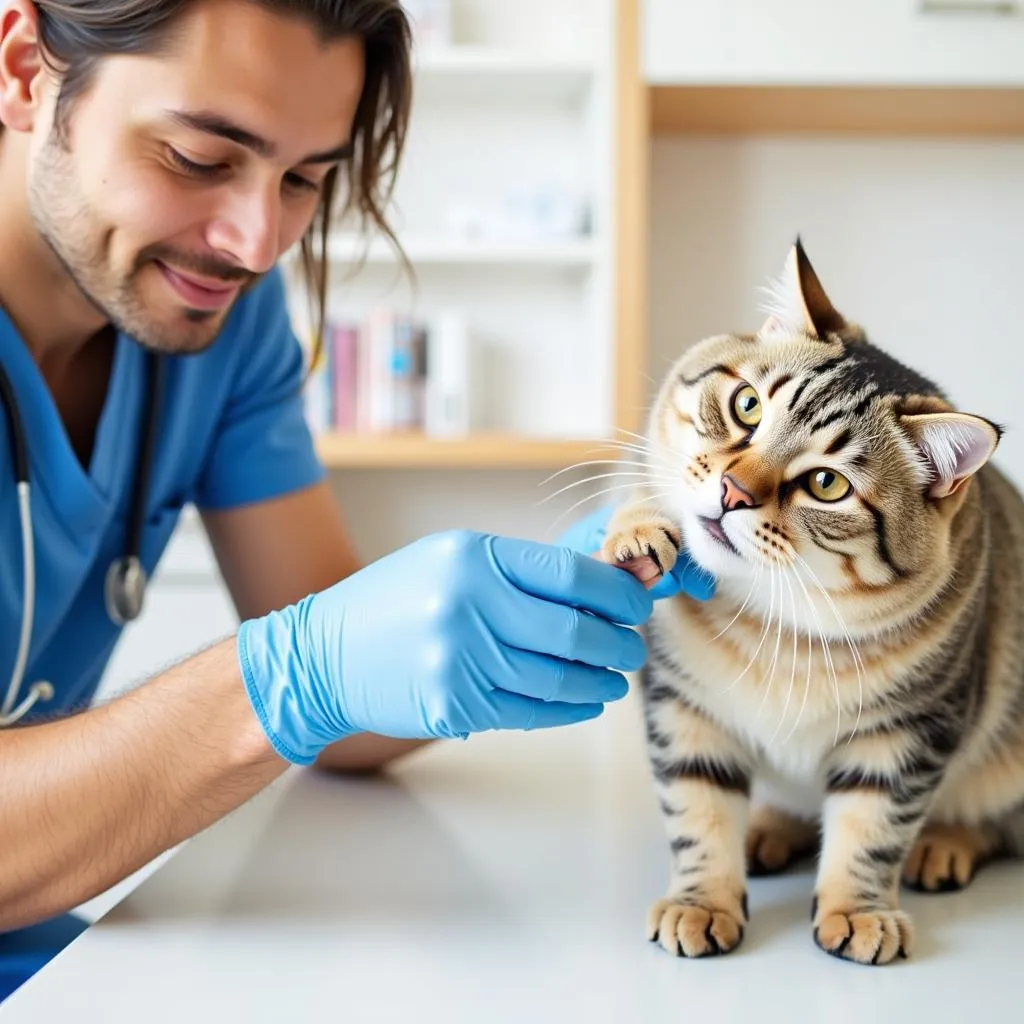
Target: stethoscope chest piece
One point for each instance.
(125, 589)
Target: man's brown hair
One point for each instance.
(77, 34)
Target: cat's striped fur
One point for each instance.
(865, 654)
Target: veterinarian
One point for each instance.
(156, 160)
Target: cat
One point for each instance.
(865, 642)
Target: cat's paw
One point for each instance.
(648, 549)
(945, 858)
(775, 840)
(866, 937)
(691, 930)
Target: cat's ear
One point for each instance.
(954, 446)
(797, 303)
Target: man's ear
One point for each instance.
(954, 447)
(797, 302)
(22, 69)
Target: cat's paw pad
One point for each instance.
(943, 860)
(866, 937)
(648, 550)
(690, 930)
(775, 840)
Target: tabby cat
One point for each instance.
(865, 644)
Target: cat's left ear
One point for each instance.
(797, 303)
(954, 445)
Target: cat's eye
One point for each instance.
(746, 407)
(827, 485)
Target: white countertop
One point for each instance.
(504, 879)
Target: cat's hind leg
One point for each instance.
(946, 858)
(777, 839)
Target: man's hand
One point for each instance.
(588, 534)
(457, 633)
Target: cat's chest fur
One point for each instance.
(791, 698)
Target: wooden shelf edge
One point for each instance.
(416, 451)
(840, 110)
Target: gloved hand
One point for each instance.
(456, 633)
(587, 534)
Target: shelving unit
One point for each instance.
(527, 98)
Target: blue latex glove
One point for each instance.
(587, 535)
(457, 633)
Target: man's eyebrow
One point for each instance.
(215, 124)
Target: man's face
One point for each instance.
(183, 177)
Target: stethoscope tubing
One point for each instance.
(119, 611)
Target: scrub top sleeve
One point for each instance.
(262, 447)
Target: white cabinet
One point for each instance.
(934, 43)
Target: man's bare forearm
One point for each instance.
(89, 799)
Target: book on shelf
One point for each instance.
(390, 373)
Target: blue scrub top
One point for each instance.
(232, 431)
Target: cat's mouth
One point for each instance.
(714, 529)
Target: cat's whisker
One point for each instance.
(807, 685)
(750, 592)
(774, 664)
(606, 490)
(622, 446)
(764, 634)
(643, 444)
(792, 675)
(592, 479)
(630, 433)
(858, 662)
(826, 651)
(664, 458)
(835, 611)
(591, 462)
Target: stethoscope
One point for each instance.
(125, 584)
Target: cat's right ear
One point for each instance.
(954, 446)
(797, 303)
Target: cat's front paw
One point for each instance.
(648, 549)
(692, 930)
(869, 936)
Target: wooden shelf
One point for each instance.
(836, 110)
(484, 451)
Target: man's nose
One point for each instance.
(250, 231)
(735, 495)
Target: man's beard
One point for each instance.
(67, 226)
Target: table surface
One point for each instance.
(502, 879)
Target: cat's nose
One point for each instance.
(735, 496)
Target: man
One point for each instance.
(157, 157)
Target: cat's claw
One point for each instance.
(647, 550)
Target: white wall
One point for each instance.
(919, 241)
(389, 508)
